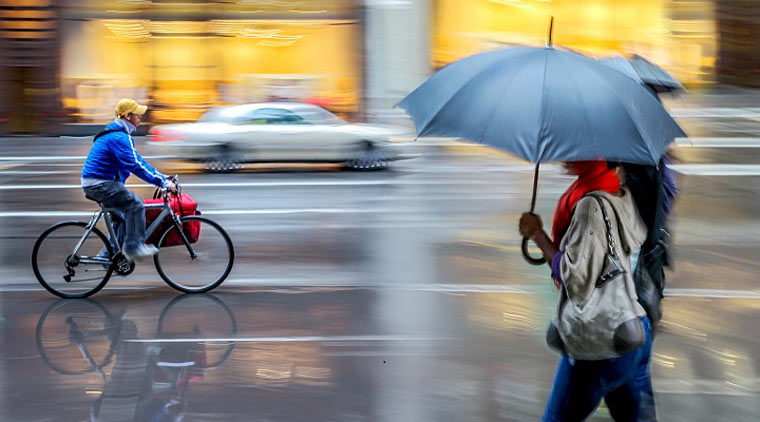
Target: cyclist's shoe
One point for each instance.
(141, 251)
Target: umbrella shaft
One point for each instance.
(535, 187)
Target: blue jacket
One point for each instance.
(113, 157)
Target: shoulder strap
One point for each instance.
(106, 132)
(612, 248)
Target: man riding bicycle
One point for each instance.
(112, 158)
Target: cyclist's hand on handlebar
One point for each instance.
(170, 185)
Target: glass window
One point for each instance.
(319, 116)
(271, 116)
(213, 115)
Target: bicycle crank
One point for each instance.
(122, 266)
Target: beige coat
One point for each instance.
(587, 316)
(585, 244)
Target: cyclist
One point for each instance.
(112, 158)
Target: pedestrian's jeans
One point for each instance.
(129, 217)
(625, 383)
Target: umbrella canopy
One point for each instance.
(544, 104)
(622, 65)
(655, 76)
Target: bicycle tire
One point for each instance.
(41, 347)
(230, 315)
(46, 284)
(177, 284)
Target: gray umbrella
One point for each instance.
(654, 76)
(621, 64)
(543, 104)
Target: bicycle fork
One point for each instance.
(178, 225)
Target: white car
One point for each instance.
(226, 137)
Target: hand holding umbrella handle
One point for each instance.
(526, 254)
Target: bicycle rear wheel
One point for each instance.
(208, 269)
(69, 275)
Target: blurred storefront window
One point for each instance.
(28, 57)
(678, 35)
(184, 57)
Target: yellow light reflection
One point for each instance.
(679, 36)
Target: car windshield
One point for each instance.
(214, 115)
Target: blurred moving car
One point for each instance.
(226, 137)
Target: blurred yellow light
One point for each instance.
(181, 37)
(268, 43)
(25, 3)
(178, 27)
(259, 33)
(514, 3)
(27, 14)
(309, 11)
(286, 37)
(27, 24)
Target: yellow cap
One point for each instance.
(128, 105)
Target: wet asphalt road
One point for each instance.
(386, 296)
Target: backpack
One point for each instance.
(653, 192)
(106, 132)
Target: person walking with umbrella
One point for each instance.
(577, 245)
(552, 105)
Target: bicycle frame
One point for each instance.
(106, 214)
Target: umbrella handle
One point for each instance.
(526, 254)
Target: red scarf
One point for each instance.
(592, 176)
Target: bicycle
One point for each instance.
(66, 255)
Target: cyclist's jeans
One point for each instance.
(625, 383)
(129, 221)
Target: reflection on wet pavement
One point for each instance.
(329, 354)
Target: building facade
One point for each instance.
(65, 62)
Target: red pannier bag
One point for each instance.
(182, 205)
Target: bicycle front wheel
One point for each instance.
(212, 263)
(70, 275)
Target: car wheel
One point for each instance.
(223, 165)
(223, 161)
(370, 158)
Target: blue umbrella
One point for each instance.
(544, 105)
(621, 64)
(654, 76)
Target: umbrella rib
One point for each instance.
(541, 109)
(627, 112)
(580, 95)
(498, 103)
(481, 72)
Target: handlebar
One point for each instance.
(164, 192)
